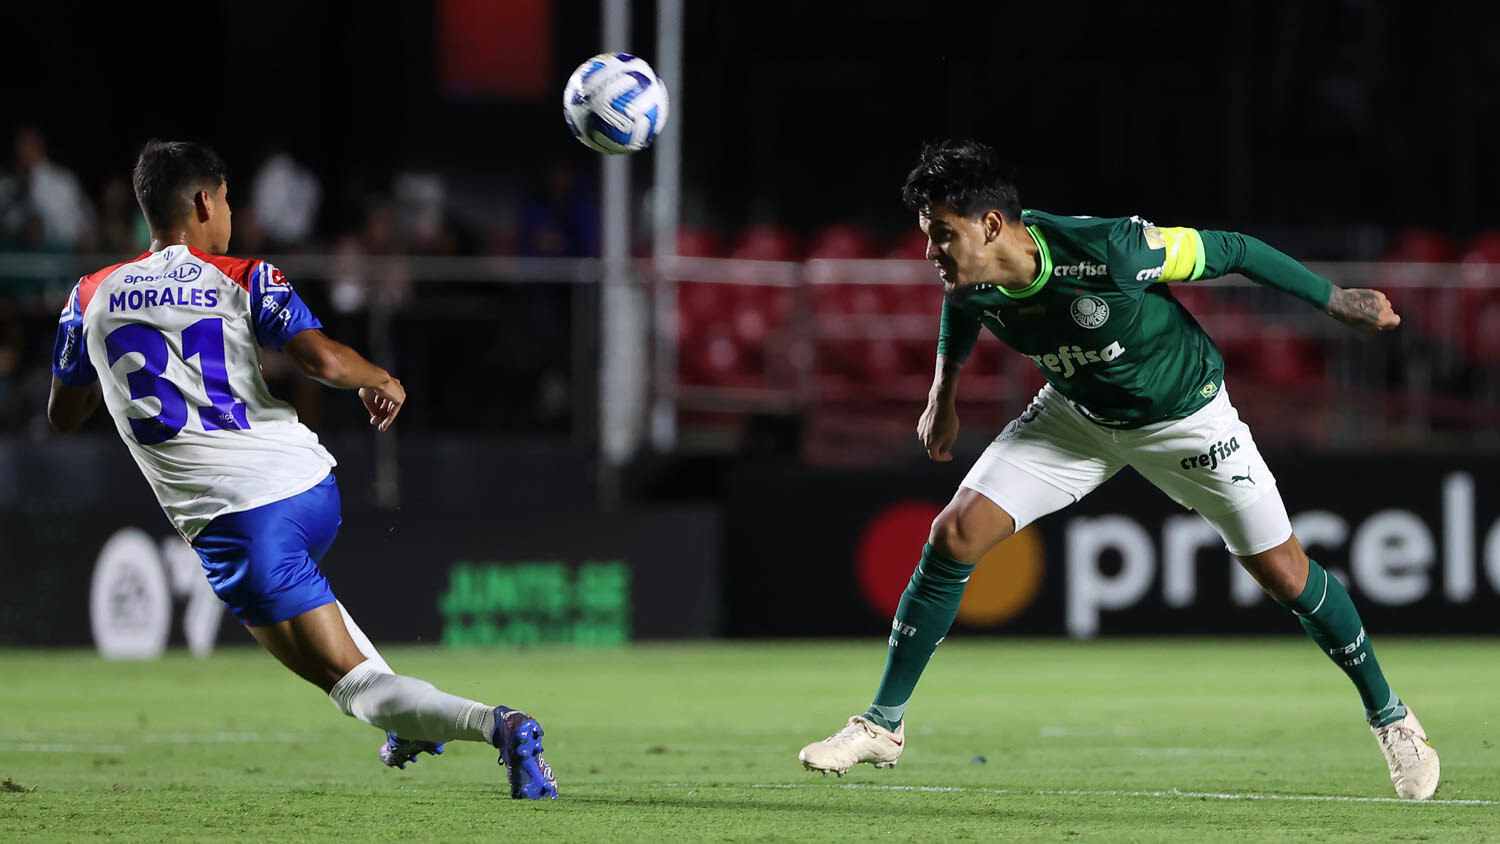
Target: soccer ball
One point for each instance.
(615, 103)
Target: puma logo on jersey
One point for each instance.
(1067, 356)
(1237, 478)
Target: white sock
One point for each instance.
(410, 708)
(362, 642)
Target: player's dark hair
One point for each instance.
(965, 175)
(169, 174)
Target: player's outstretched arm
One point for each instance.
(331, 362)
(68, 406)
(1366, 311)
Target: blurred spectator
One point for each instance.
(420, 212)
(41, 203)
(369, 266)
(284, 200)
(11, 346)
(559, 219)
(122, 227)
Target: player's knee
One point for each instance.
(1282, 572)
(1283, 581)
(949, 536)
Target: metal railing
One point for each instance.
(1303, 378)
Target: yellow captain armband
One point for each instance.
(1184, 247)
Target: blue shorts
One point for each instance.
(263, 563)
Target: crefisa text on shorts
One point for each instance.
(1210, 459)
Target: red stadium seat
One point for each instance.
(1481, 260)
(910, 245)
(837, 367)
(766, 242)
(1421, 245)
(851, 299)
(1414, 246)
(842, 241)
(719, 360)
(1286, 358)
(986, 359)
(917, 299)
(1479, 299)
(758, 310)
(699, 242)
(1197, 298)
(701, 305)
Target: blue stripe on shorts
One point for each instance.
(263, 563)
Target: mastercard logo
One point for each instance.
(1003, 585)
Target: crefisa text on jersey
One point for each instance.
(151, 297)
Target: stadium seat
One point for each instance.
(701, 305)
(720, 360)
(1285, 358)
(1415, 245)
(918, 299)
(758, 310)
(1480, 262)
(1421, 245)
(1197, 298)
(841, 241)
(766, 242)
(699, 242)
(910, 245)
(1479, 298)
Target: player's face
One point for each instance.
(956, 244)
(218, 224)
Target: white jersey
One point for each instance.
(174, 338)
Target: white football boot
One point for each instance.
(1413, 762)
(861, 740)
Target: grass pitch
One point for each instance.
(1235, 740)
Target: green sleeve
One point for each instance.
(1231, 252)
(957, 333)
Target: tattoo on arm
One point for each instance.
(1359, 309)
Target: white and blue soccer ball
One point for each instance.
(615, 103)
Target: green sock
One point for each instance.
(1328, 615)
(923, 617)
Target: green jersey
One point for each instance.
(1098, 322)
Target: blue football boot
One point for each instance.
(518, 737)
(397, 751)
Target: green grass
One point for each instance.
(699, 742)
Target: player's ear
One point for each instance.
(203, 205)
(993, 224)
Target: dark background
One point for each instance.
(1336, 114)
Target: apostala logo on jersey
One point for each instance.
(1067, 356)
(183, 273)
(1089, 311)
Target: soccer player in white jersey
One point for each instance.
(171, 340)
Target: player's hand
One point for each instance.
(1365, 311)
(383, 402)
(938, 428)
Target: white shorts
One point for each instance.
(1052, 456)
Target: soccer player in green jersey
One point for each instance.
(1132, 380)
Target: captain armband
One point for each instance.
(1184, 247)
